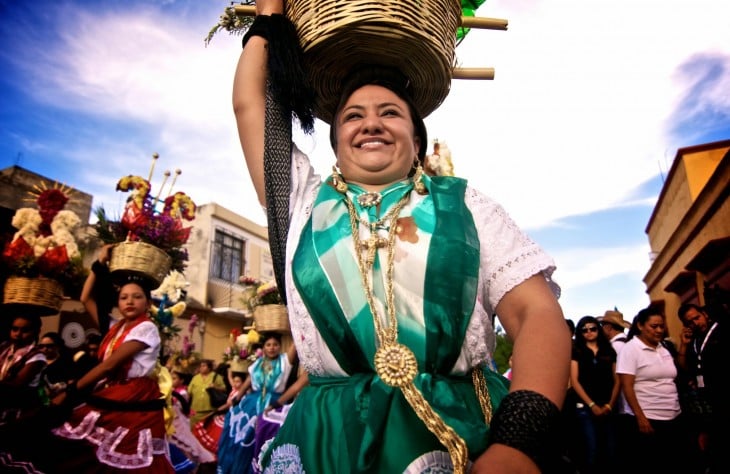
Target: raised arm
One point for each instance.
(249, 99)
(87, 292)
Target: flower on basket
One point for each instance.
(168, 305)
(44, 245)
(187, 363)
(242, 346)
(230, 22)
(150, 220)
(260, 292)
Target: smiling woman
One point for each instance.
(378, 327)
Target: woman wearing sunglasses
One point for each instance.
(596, 386)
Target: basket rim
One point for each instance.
(419, 38)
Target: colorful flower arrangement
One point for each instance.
(44, 245)
(187, 360)
(242, 347)
(142, 221)
(260, 292)
(169, 304)
(186, 364)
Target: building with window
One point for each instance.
(222, 247)
(689, 231)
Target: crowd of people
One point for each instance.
(111, 405)
(635, 389)
(631, 389)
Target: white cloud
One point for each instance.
(575, 120)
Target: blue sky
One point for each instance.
(574, 136)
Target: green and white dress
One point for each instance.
(456, 254)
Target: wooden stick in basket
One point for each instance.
(466, 22)
(480, 23)
(483, 73)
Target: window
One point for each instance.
(227, 261)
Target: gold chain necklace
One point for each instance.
(395, 363)
(375, 242)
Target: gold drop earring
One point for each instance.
(337, 181)
(418, 178)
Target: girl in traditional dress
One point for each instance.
(267, 380)
(121, 425)
(21, 364)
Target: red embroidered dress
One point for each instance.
(124, 417)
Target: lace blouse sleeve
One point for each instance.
(508, 255)
(145, 332)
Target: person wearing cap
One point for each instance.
(613, 326)
(391, 280)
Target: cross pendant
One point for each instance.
(373, 243)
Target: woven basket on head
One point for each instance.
(240, 365)
(271, 318)
(140, 258)
(417, 36)
(40, 296)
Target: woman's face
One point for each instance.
(237, 382)
(204, 368)
(652, 332)
(376, 143)
(48, 347)
(22, 332)
(272, 348)
(589, 331)
(132, 301)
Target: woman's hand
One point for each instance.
(105, 253)
(268, 7)
(502, 459)
(644, 424)
(59, 399)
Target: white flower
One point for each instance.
(65, 220)
(172, 286)
(64, 237)
(26, 216)
(42, 243)
(27, 221)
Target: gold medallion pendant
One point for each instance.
(396, 364)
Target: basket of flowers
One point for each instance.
(150, 235)
(265, 302)
(42, 259)
(242, 350)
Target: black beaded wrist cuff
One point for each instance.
(260, 27)
(528, 421)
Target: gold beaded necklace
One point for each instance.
(395, 363)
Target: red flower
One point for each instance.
(50, 202)
(53, 260)
(17, 250)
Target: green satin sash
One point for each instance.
(361, 404)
